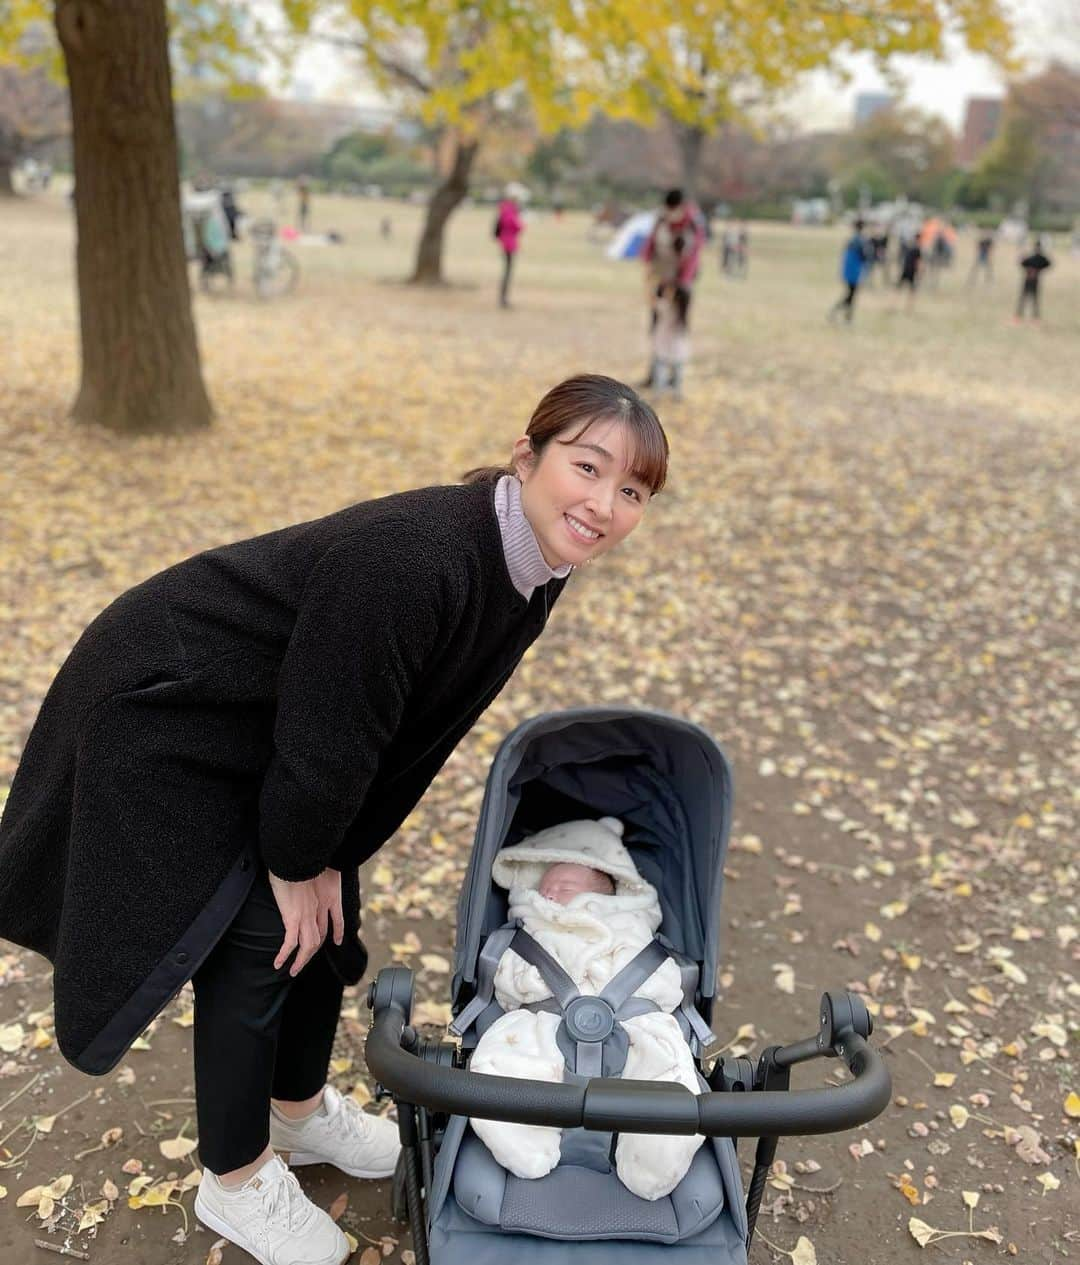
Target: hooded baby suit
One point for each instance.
(592, 937)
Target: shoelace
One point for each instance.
(284, 1201)
(350, 1118)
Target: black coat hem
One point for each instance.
(174, 970)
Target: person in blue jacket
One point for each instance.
(852, 268)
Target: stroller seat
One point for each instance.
(592, 1201)
(481, 1213)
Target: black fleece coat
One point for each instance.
(283, 700)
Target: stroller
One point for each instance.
(670, 785)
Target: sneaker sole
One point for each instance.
(215, 1223)
(297, 1159)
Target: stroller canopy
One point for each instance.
(664, 778)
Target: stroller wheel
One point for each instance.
(399, 1207)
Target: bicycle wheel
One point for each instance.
(279, 277)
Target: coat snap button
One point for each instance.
(245, 863)
(181, 957)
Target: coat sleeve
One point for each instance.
(370, 616)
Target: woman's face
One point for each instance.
(580, 498)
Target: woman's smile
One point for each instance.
(582, 530)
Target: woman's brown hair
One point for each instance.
(577, 403)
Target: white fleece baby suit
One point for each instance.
(592, 937)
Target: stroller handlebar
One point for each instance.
(623, 1105)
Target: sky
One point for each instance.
(1045, 28)
(941, 87)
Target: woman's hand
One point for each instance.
(328, 885)
(306, 910)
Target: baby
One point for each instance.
(575, 890)
(566, 879)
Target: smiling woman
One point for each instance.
(593, 455)
(240, 732)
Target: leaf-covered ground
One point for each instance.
(861, 581)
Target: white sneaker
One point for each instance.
(339, 1133)
(271, 1217)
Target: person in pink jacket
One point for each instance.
(508, 229)
(671, 257)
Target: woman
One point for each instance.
(508, 229)
(671, 254)
(230, 739)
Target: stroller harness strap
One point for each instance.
(701, 1034)
(592, 1024)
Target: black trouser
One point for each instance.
(1030, 292)
(259, 1033)
(848, 301)
(504, 289)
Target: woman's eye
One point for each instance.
(633, 492)
(587, 466)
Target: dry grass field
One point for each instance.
(861, 580)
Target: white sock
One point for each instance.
(320, 1110)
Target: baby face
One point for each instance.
(565, 879)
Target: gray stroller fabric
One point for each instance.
(481, 1215)
(670, 785)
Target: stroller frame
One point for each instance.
(430, 1081)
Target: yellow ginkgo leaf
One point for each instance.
(1072, 1105)
(920, 1231)
(177, 1148)
(959, 1115)
(945, 1080)
(803, 1252)
(1048, 1182)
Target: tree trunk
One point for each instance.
(140, 358)
(691, 143)
(9, 156)
(444, 201)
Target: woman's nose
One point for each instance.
(600, 505)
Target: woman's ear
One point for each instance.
(524, 458)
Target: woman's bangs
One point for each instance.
(648, 446)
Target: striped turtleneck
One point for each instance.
(524, 560)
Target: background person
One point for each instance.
(983, 263)
(508, 229)
(1033, 265)
(671, 256)
(852, 265)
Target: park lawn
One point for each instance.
(861, 580)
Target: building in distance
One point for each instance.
(982, 118)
